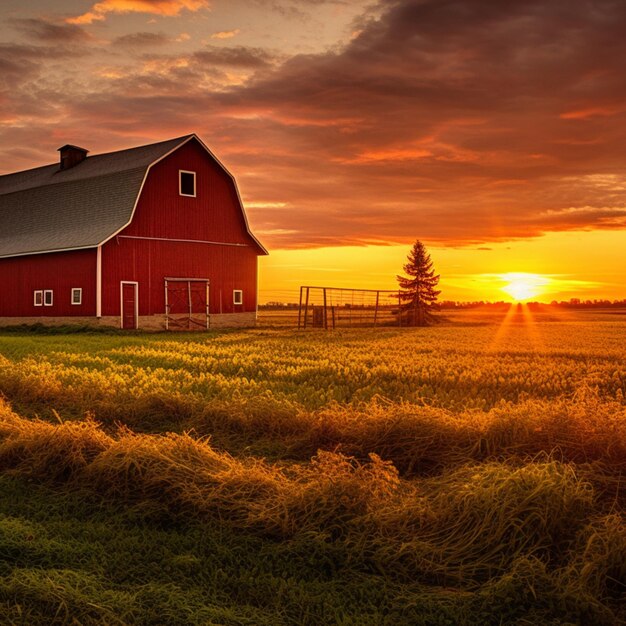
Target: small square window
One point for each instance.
(47, 297)
(38, 298)
(77, 295)
(237, 296)
(187, 183)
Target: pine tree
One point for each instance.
(417, 291)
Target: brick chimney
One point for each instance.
(71, 156)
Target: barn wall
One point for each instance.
(149, 262)
(59, 271)
(213, 215)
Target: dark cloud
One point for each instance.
(141, 40)
(234, 56)
(21, 63)
(455, 121)
(298, 9)
(30, 97)
(46, 31)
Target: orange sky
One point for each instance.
(494, 132)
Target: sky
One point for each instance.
(493, 131)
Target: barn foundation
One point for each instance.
(146, 322)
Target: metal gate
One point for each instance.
(187, 303)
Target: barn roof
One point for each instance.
(48, 209)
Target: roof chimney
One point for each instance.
(71, 156)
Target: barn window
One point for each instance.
(38, 298)
(237, 296)
(187, 183)
(77, 295)
(47, 297)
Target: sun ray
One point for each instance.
(517, 320)
(532, 328)
(504, 327)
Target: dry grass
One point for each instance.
(464, 528)
(445, 483)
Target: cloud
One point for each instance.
(236, 56)
(21, 63)
(593, 111)
(461, 122)
(141, 40)
(445, 120)
(166, 8)
(225, 34)
(148, 39)
(47, 31)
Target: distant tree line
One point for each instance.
(573, 303)
(278, 306)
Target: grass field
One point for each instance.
(468, 473)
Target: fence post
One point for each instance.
(376, 309)
(306, 306)
(167, 310)
(208, 305)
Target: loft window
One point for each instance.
(187, 183)
(38, 298)
(47, 297)
(77, 295)
(237, 296)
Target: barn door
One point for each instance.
(186, 303)
(129, 305)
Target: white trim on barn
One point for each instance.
(180, 184)
(214, 243)
(99, 282)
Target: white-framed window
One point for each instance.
(187, 183)
(77, 295)
(38, 297)
(237, 296)
(47, 297)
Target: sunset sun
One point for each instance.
(522, 286)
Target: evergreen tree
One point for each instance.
(418, 295)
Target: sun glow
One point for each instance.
(522, 286)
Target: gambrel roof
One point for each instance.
(48, 209)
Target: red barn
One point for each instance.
(150, 237)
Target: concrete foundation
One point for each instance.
(146, 322)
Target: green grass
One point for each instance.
(469, 473)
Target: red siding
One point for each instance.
(59, 271)
(213, 215)
(149, 262)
